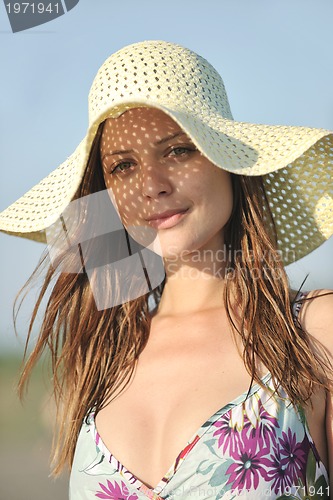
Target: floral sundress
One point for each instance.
(257, 448)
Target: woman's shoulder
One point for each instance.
(316, 316)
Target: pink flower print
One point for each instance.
(115, 492)
(278, 473)
(265, 432)
(228, 436)
(249, 465)
(293, 454)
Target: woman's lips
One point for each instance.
(167, 222)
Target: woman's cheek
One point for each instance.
(116, 202)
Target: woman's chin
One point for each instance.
(169, 250)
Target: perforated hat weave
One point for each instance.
(296, 162)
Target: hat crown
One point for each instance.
(161, 72)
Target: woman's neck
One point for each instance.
(191, 293)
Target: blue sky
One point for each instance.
(275, 59)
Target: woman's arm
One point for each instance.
(316, 317)
(329, 431)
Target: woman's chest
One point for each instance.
(248, 443)
(179, 383)
(181, 380)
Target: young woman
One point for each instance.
(213, 378)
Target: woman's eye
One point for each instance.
(181, 150)
(122, 166)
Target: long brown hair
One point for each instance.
(94, 352)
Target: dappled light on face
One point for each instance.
(136, 163)
(151, 166)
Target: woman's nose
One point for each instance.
(154, 181)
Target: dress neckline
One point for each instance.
(153, 492)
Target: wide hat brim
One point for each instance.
(296, 164)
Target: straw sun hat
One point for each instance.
(296, 162)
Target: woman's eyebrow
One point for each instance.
(168, 138)
(157, 143)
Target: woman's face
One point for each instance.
(151, 167)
